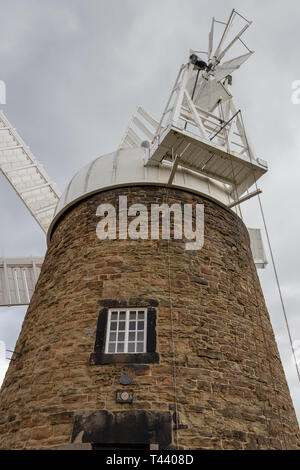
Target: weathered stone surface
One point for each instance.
(133, 426)
(225, 357)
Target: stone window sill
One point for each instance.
(97, 358)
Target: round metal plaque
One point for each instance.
(125, 380)
(124, 396)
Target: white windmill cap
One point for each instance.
(126, 167)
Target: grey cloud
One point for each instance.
(75, 72)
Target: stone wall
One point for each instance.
(231, 392)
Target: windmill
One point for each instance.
(200, 131)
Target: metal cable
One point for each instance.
(274, 267)
(258, 309)
(266, 351)
(262, 328)
(172, 337)
(278, 286)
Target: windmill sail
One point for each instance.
(18, 277)
(208, 93)
(142, 127)
(211, 38)
(221, 71)
(26, 175)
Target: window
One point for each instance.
(126, 331)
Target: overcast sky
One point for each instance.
(76, 70)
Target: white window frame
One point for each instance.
(126, 331)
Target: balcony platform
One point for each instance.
(206, 157)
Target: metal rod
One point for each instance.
(245, 198)
(174, 168)
(176, 163)
(232, 117)
(245, 45)
(14, 352)
(248, 21)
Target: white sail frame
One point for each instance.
(18, 277)
(26, 175)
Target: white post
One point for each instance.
(179, 100)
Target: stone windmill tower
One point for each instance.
(142, 342)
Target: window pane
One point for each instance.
(131, 347)
(140, 336)
(126, 331)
